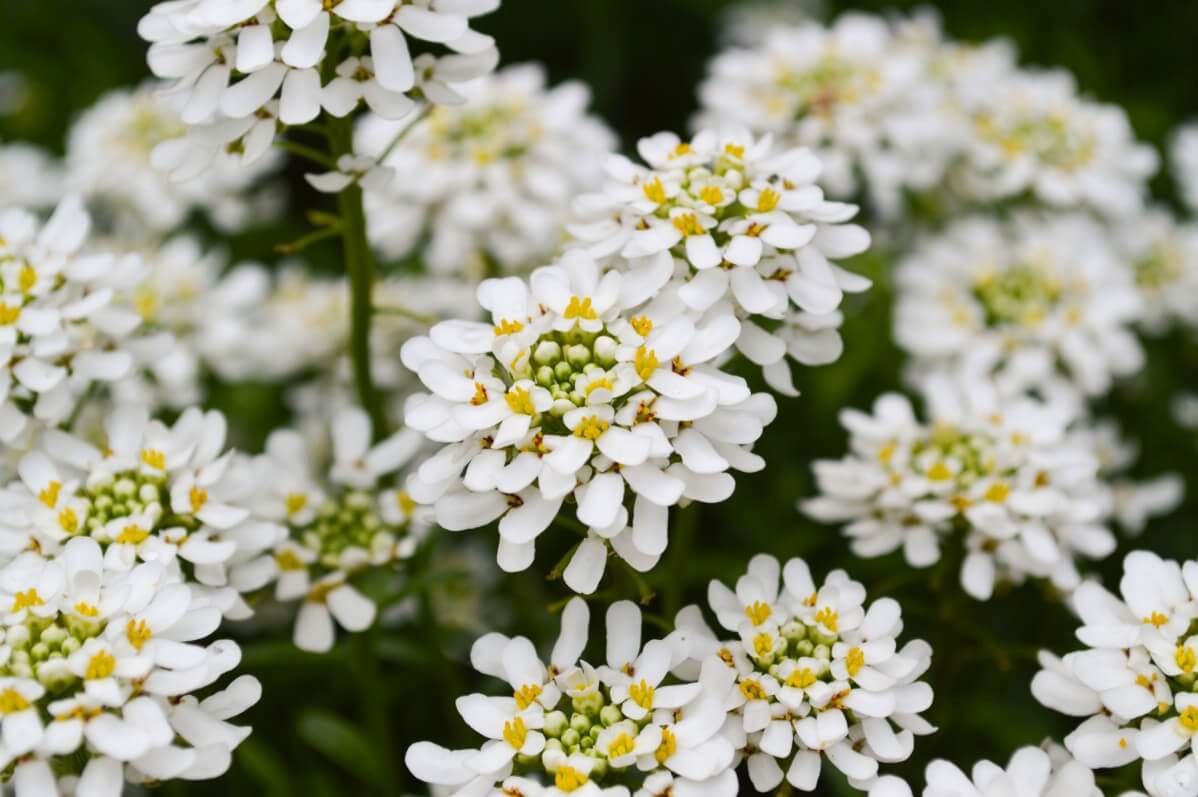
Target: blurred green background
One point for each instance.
(643, 60)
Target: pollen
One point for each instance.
(132, 534)
(801, 679)
(27, 600)
(668, 746)
(12, 701)
(886, 452)
(752, 689)
(480, 395)
(519, 400)
(526, 695)
(829, 618)
(645, 362)
(1186, 659)
(688, 224)
(591, 428)
(101, 665)
(153, 458)
(515, 732)
(642, 324)
(854, 661)
(1156, 620)
(655, 191)
(768, 200)
(87, 609)
(641, 694)
(763, 645)
(569, 779)
(138, 633)
(758, 612)
(580, 308)
(712, 195)
(49, 495)
(622, 745)
(198, 496)
(505, 327)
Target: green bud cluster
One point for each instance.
(577, 731)
(974, 452)
(1161, 268)
(39, 649)
(560, 360)
(1023, 295)
(127, 494)
(351, 520)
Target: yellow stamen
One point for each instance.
(939, 472)
(752, 689)
(49, 495)
(295, 502)
(138, 633)
(87, 610)
(27, 278)
(763, 645)
(998, 492)
(289, 560)
(1189, 719)
(768, 200)
(854, 661)
(829, 618)
(154, 458)
(641, 694)
(1156, 620)
(758, 612)
(1186, 659)
(682, 149)
(642, 324)
(68, 520)
(12, 701)
(515, 732)
(9, 313)
(655, 191)
(801, 679)
(712, 195)
(505, 327)
(688, 224)
(622, 745)
(591, 428)
(735, 150)
(580, 308)
(101, 665)
(668, 746)
(132, 534)
(27, 600)
(527, 695)
(645, 361)
(568, 779)
(480, 395)
(198, 497)
(519, 399)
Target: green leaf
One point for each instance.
(343, 743)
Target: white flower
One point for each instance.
(489, 183)
(1031, 773)
(351, 169)
(572, 729)
(1163, 255)
(1134, 683)
(725, 225)
(565, 393)
(336, 527)
(228, 61)
(1183, 152)
(811, 674)
(109, 162)
(1003, 469)
(1021, 296)
(29, 177)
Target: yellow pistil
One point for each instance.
(939, 472)
(27, 600)
(580, 308)
(1186, 659)
(668, 746)
(12, 701)
(515, 732)
(641, 694)
(198, 496)
(998, 492)
(49, 495)
(9, 313)
(101, 665)
(758, 612)
(154, 458)
(654, 191)
(801, 679)
(854, 661)
(527, 695)
(505, 327)
(519, 399)
(763, 645)
(132, 534)
(68, 520)
(591, 428)
(642, 324)
(87, 610)
(752, 689)
(829, 618)
(289, 560)
(138, 633)
(768, 200)
(1189, 719)
(645, 361)
(688, 224)
(568, 779)
(712, 195)
(622, 745)
(295, 502)
(1156, 620)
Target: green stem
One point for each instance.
(307, 153)
(374, 706)
(359, 264)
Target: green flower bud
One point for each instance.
(587, 742)
(545, 376)
(823, 652)
(580, 723)
(605, 351)
(571, 738)
(547, 352)
(147, 493)
(578, 355)
(556, 723)
(589, 704)
(610, 715)
(124, 487)
(553, 744)
(804, 647)
(562, 371)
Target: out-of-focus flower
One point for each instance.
(1183, 153)
(1163, 255)
(1032, 772)
(29, 177)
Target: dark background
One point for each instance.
(643, 59)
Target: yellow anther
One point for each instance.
(27, 600)
(287, 559)
(480, 394)
(654, 191)
(886, 452)
(295, 502)
(939, 472)
(645, 361)
(580, 308)
(801, 679)
(505, 327)
(591, 428)
(68, 520)
(734, 150)
(668, 746)
(527, 695)
(1189, 719)
(87, 609)
(515, 732)
(519, 399)
(829, 618)
(763, 645)
(998, 492)
(622, 745)
(752, 689)
(768, 200)
(758, 612)
(688, 224)
(642, 324)
(101, 665)
(1156, 620)
(49, 495)
(603, 383)
(198, 496)
(138, 633)
(132, 534)
(27, 278)
(641, 694)
(9, 313)
(568, 779)
(1186, 659)
(12, 701)
(153, 458)
(712, 195)
(682, 149)
(406, 505)
(854, 661)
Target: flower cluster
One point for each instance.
(814, 674)
(29, 177)
(1134, 682)
(244, 68)
(101, 666)
(1004, 472)
(1163, 256)
(61, 329)
(147, 493)
(486, 186)
(896, 110)
(567, 394)
(336, 526)
(1032, 772)
(1023, 297)
(629, 726)
(1184, 156)
(727, 225)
